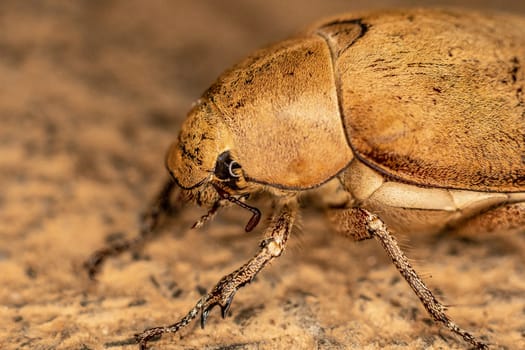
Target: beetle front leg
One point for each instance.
(148, 224)
(222, 294)
(360, 224)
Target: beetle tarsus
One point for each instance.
(143, 338)
(156, 332)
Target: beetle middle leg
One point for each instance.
(222, 294)
(360, 224)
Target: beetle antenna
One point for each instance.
(254, 220)
(256, 213)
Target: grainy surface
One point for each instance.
(91, 95)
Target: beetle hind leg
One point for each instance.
(503, 225)
(360, 224)
(222, 294)
(503, 218)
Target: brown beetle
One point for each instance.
(410, 121)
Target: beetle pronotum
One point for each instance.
(415, 118)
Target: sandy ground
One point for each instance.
(91, 95)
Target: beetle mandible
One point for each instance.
(414, 120)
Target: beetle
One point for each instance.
(397, 121)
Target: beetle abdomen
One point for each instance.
(434, 98)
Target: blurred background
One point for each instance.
(91, 95)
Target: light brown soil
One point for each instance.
(91, 95)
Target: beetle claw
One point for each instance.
(226, 307)
(92, 265)
(204, 316)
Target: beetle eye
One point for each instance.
(226, 168)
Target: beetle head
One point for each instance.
(203, 159)
(202, 162)
(203, 137)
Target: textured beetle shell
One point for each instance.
(435, 98)
(428, 97)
